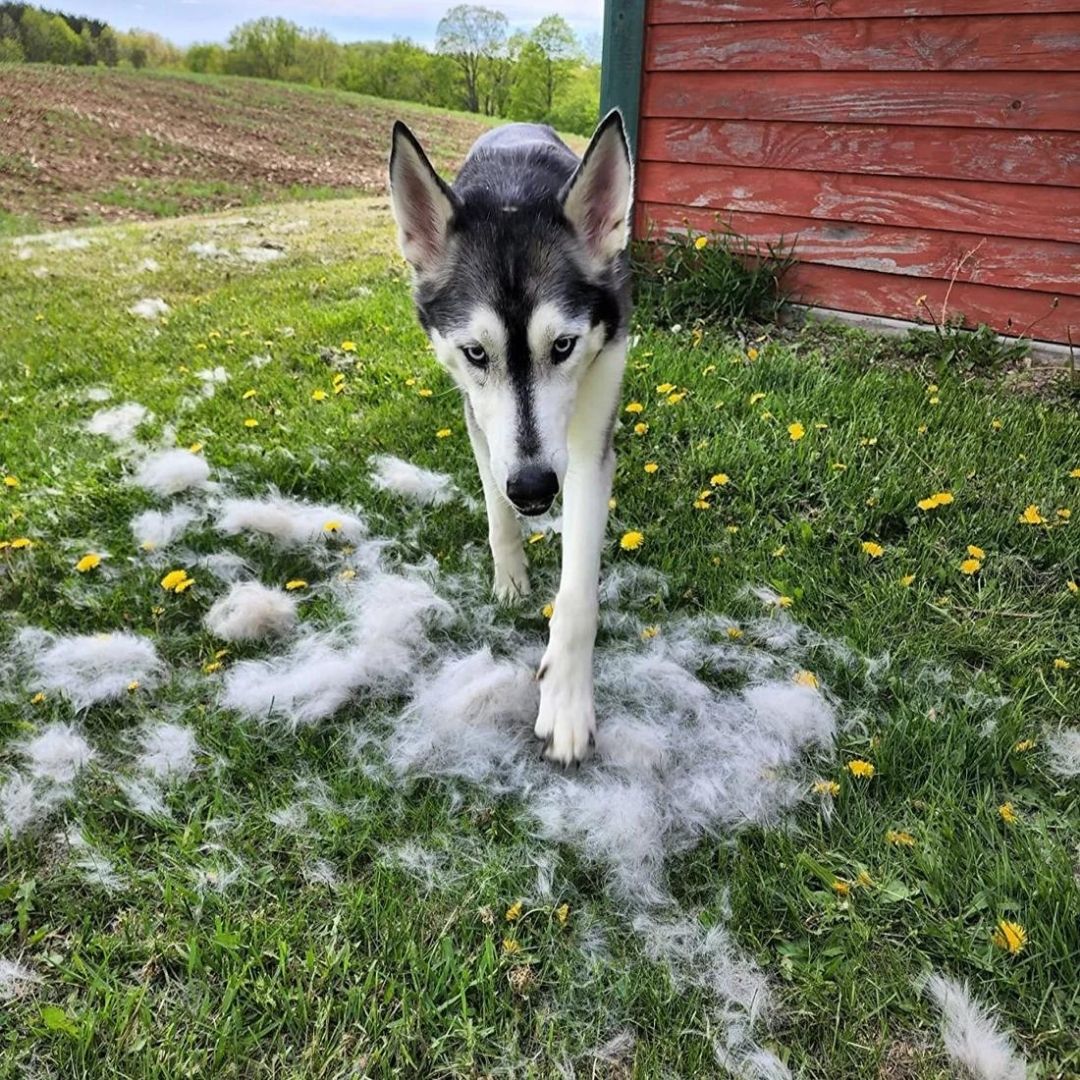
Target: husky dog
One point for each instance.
(521, 281)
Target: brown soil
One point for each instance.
(84, 145)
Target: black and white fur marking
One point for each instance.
(521, 282)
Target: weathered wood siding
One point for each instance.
(898, 146)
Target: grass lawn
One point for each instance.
(234, 941)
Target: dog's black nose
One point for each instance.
(533, 489)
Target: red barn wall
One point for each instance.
(899, 145)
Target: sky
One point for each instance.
(185, 21)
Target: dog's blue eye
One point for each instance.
(562, 347)
(475, 355)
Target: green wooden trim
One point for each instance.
(620, 72)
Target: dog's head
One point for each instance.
(519, 294)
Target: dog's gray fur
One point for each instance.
(521, 282)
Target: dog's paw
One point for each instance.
(567, 718)
(511, 579)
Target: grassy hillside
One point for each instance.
(284, 901)
(81, 146)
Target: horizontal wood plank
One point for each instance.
(1005, 261)
(1015, 42)
(1021, 312)
(999, 99)
(960, 206)
(1021, 157)
(677, 11)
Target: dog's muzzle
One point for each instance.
(532, 490)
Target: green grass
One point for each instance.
(278, 977)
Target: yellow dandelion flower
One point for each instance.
(665, 388)
(784, 601)
(864, 879)
(702, 504)
(826, 787)
(443, 433)
(1008, 813)
(251, 422)
(806, 678)
(796, 431)
(11, 481)
(1061, 664)
(839, 466)
(562, 913)
(841, 888)
(975, 551)
(1010, 936)
(547, 610)
(184, 585)
(778, 553)
(821, 427)
(337, 377)
(719, 479)
(651, 467)
(935, 401)
(214, 665)
(635, 407)
(38, 698)
(873, 549)
(1023, 746)
(860, 768)
(294, 584)
(1075, 474)
(923, 429)
(970, 566)
(640, 428)
(1073, 586)
(674, 399)
(907, 580)
(347, 574)
(705, 493)
(632, 540)
(331, 526)
(733, 529)
(758, 395)
(318, 395)
(247, 395)
(649, 632)
(932, 502)
(612, 503)
(701, 243)
(899, 838)
(425, 392)
(536, 538)
(734, 633)
(752, 353)
(174, 579)
(1064, 513)
(133, 686)
(88, 562)
(510, 946)
(348, 346)
(410, 382)
(21, 543)
(1031, 516)
(995, 424)
(195, 448)
(513, 912)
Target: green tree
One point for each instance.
(207, 59)
(475, 38)
(48, 38)
(318, 58)
(265, 47)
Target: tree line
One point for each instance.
(479, 65)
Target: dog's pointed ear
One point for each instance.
(598, 198)
(422, 203)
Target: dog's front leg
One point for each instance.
(567, 717)
(504, 533)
